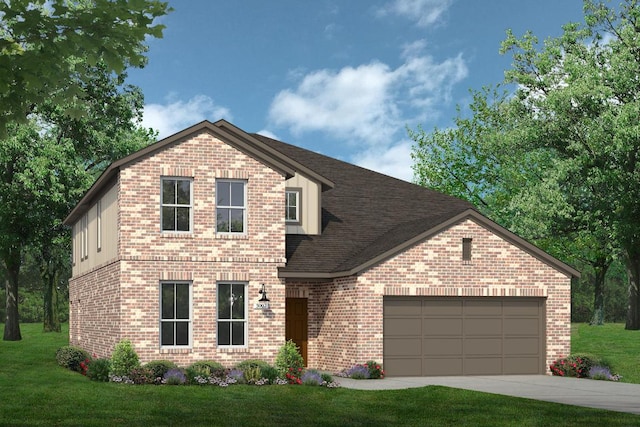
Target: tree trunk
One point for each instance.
(633, 308)
(49, 277)
(600, 270)
(12, 260)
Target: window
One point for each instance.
(176, 204)
(175, 316)
(231, 209)
(85, 238)
(292, 206)
(99, 224)
(466, 250)
(232, 314)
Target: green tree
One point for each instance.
(48, 49)
(52, 54)
(554, 159)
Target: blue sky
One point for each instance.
(341, 77)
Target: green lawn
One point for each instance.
(35, 391)
(612, 343)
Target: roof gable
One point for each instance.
(221, 129)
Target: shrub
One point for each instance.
(141, 375)
(375, 370)
(174, 377)
(98, 370)
(159, 367)
(236, 376)
(576, 366)
(270, 373)
(251, 375)
(204, 369)
(71, 357)
(598, 372)
(358, 372)
(252, 363)
(289, 361)
(124, 359)
(311, 377)
(327, 378)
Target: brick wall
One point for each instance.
(497, 268)
(346, 315)
(146, 256)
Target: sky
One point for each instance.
(345, 78)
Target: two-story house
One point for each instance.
(178, 246)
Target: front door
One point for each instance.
(296, 324)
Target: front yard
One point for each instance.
(34, 390)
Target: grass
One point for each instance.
(35, 391)
(617, 347)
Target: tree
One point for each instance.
(560, 149)
(48, 48)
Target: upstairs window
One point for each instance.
(231, 206)
(176, 204)
(292, 206)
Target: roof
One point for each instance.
(367, 217)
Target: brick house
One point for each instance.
(173, 245)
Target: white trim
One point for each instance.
(244, 207)
(176, 205)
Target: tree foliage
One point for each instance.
(555, 157)
(48, 49)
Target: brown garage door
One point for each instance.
(426, 336)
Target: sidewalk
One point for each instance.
(613, 396)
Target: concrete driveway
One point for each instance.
(609, 395)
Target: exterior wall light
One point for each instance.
(263, 292)
(263, 302)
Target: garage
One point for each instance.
(431, 336)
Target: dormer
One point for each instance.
(303, 205)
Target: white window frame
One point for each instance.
(298, 193)
(243, 207)
(245, 286)
(189, 320)
(176, 205)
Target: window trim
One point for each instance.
(467, 248)
(174, 320)
(298, 191)
(175, 205)
(244, 207)
(245, 320)
(99, 225)
(85, 237)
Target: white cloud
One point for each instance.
(394, 161)
(268, 134)
(177, 114)
(369, 106)
(423, 12)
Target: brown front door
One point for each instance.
(296, 324)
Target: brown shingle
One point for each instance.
(364, 216)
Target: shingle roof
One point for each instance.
(364, 216)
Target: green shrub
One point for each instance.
(205, 369)
(289, 361)
(252, 363)
(124, 359)
(71, 357)
(140, 375)
(270, 373)
(576, 365)
(326, 377)
(98, 370)
(251, 375)
(375, 370)
(159, 367)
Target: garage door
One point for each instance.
(428, 336)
